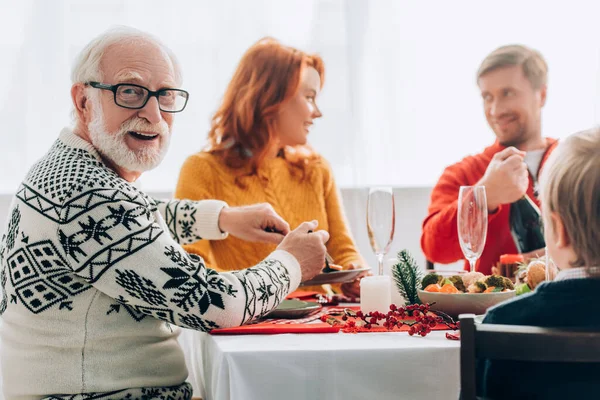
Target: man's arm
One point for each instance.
(190, 221)
(123, 252)
(439, 238)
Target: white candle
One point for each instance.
(375, 294)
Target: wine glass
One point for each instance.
(381, 221)
(472, 222)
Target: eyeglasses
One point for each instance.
(128, 95)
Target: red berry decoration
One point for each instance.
(422, 323)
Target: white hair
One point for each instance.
(87, 63)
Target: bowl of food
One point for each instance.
(472, 292)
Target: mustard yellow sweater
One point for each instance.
(205, 176)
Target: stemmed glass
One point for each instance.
(472, 222)
(381, 221)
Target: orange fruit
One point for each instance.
(434, 287)
(449, 288)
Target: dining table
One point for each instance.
(294, 366)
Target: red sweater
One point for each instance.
(439, 239)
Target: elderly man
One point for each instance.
(512, 80)
(95, 279)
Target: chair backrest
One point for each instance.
(520, 343)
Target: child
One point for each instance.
(570, 198)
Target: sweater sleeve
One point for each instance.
(190, 221)
(439, 238)
(196, 183)
(121, 250)
(341, 245)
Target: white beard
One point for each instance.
(113, 146)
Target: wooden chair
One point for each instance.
(520, 343)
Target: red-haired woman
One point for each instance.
(258, 153)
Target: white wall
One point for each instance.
(411, 209)
(399, 103)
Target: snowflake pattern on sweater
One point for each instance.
(81, 237)
(101, 221)
(180, 392)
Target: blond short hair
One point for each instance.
(570, 185)
(534, 66)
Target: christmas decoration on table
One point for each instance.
(414, 317)
(407, 276)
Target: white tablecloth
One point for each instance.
(323, 366)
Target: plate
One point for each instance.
(294, 308)
(335, 277)
(454, 304)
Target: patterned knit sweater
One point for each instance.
(96, 281)
(205, 176)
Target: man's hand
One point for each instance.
(308, 247)
(255, 223)
(506, 178)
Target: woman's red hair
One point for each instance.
(244, 127)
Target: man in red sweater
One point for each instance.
(512, 80)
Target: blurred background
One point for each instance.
(400, 101)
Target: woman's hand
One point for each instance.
(352, 289)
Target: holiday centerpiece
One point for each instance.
(414, 317)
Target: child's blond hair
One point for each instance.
(570, 185)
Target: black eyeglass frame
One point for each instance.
(151, 93)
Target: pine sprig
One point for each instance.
(407, 276)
